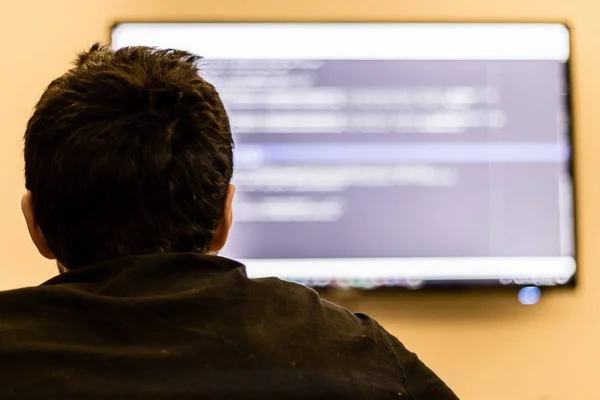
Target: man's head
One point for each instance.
(129, 152)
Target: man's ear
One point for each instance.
(222, 232)
(34, 230)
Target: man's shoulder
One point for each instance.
(358, 341)
(288, 304)
(303, 300)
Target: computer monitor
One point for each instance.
(393, 154)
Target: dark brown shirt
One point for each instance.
(188, 326)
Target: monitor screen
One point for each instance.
(393, 154)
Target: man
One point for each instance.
(128, 162)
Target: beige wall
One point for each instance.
(487, 347)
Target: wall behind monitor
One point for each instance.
(486, 346)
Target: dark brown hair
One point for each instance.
(129, 152)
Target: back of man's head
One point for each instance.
(129, 152)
